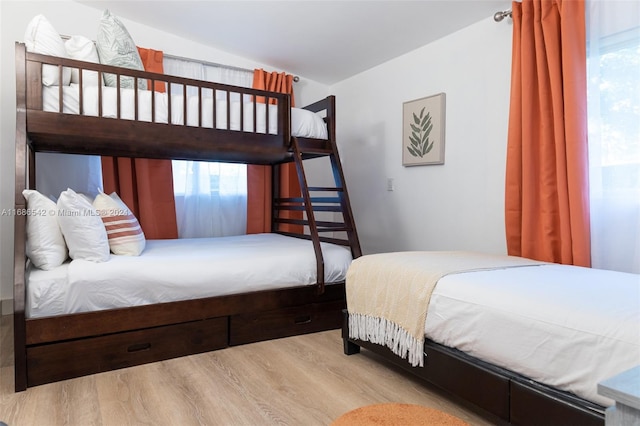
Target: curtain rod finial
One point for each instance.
(499, 16)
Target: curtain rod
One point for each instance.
(499, 16)
(212, 64)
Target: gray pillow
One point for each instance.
(117, 48)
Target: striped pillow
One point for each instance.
(123, 230)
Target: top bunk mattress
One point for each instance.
(240, 116)
(182, 269)
(565, 326)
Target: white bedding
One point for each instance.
(565, 326)
(181, 269)
(303, 123)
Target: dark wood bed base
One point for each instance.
(501, 395)
(66, 346)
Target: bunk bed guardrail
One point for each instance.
(246, 131)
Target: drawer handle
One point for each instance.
(139, 347)
(306, 319)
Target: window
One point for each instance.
(613, 66)
(201, 177)
(211, 198)
(618, 93)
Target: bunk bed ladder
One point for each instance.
(336, 202)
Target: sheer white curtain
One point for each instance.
(211, 198)
(613, 29)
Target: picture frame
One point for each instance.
(423, 130)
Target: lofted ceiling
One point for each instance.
(326, 41)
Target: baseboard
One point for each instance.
(6, 307)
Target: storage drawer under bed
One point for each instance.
(274, 324)
(59, 361)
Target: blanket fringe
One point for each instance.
(384, 332)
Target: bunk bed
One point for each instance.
(522, 341)
(57, 344)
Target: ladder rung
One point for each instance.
(335, 200)
(335, 225)
(345, 229)
(323, 239)
(327, 208)
(303, 208)
(326, 226)
(326, 189)
(335, 241)
(325, 200)
(313, 150)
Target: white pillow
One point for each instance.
(45, 244)
(307, 124)
(82, 228)
(123, 229)
(117, 48)
(41, 37)
(82, 49)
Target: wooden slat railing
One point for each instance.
(34, 95)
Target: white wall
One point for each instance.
(458, 205)
(72, 18)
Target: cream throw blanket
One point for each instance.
(388, 294)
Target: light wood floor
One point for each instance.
(302, 380)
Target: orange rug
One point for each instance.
(397, 414)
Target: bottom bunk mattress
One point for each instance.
(564, 326)
(182, 269)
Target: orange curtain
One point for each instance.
(146, 186)
(259, 189)
(258, 199)
(152, 62)
(546, 194)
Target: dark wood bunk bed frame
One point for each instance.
(66, 346)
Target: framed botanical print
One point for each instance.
(423, 124)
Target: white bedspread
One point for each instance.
(303, 123)
(181, 269)
(564, 326)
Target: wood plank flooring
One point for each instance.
(303, 380)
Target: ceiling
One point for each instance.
(326, 41)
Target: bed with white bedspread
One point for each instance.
(555, 328)
(182, 269)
